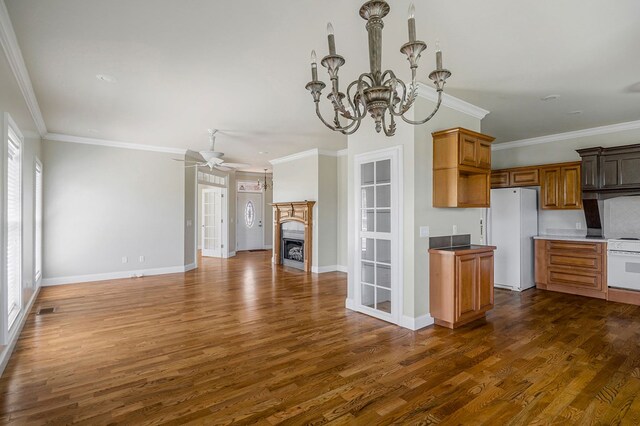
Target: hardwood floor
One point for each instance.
(238, 341)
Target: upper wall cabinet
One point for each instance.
(461, 168)
(560, 187)
(610, 172)
(559, 183)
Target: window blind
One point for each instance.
(14, 227)
(38, 236)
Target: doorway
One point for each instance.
(249, 226)
(214, 222)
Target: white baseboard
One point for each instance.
(232, 253)
(5, 355)
(416, 323)
(342, 268)
(331, 268)
(350, 304)
(47, 282)
(190, 267)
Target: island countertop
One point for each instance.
(578, 238)
(466, 249)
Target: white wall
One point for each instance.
(103, 203)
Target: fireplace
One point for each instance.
(292, 234)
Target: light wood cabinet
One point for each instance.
(572, 267)
(559, 183)
(461, 168)
(461, 284)
(560, 187)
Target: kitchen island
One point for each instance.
(461, 283)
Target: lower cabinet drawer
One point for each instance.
(574, 278)
(590, 262)
(574, 247)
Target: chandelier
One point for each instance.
(380, 94)
(265, 185)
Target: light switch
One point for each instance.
(141, 259)
(455, 229)
(124, 259)
(424, 232)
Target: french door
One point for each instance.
(213, 225)
(378, 241)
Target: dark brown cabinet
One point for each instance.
(610, 172)
(461, 285)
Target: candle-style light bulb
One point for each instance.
(330, 29)
(412, 23)
(332, 39)
(438, 55)
(314, 66)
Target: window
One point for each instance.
(13, 212)
(249, 214)
(38, 223)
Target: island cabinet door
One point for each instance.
(466, 294)
(485, 281)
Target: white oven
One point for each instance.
(623, 264)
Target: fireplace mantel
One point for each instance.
(297, 211)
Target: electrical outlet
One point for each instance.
(578, 225)
(455, 229)
(141, 259)
(424, 232)
(124, 259)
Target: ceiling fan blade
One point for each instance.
(235, 165)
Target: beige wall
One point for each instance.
(103, 203)
(327, 211)
(342, 205)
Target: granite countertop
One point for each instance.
(471, 248)
(579, 238)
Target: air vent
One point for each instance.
(45, 311)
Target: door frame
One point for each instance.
(395, 154)
(224, 228)
(238, 215)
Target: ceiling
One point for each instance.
(241, 66)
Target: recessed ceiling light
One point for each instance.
(550, 98)
(576, 112)
(106, 78)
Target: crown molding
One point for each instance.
(309, 153)
(343, 153)
(594, 131)
(452, 102)
(113, 144)
(13, 53)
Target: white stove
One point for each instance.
(623, 263)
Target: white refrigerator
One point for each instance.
(513, 222)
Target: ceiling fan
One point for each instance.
(212, 158)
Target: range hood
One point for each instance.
(607, 173)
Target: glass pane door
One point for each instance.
(375, 236)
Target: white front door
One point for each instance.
(378, 277)
(213, 222)
(250, 232)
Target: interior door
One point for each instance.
(250, 232)
(378, 252)
(212, 222)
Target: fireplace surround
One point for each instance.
(292, 234)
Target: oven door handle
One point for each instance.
(623, 253)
